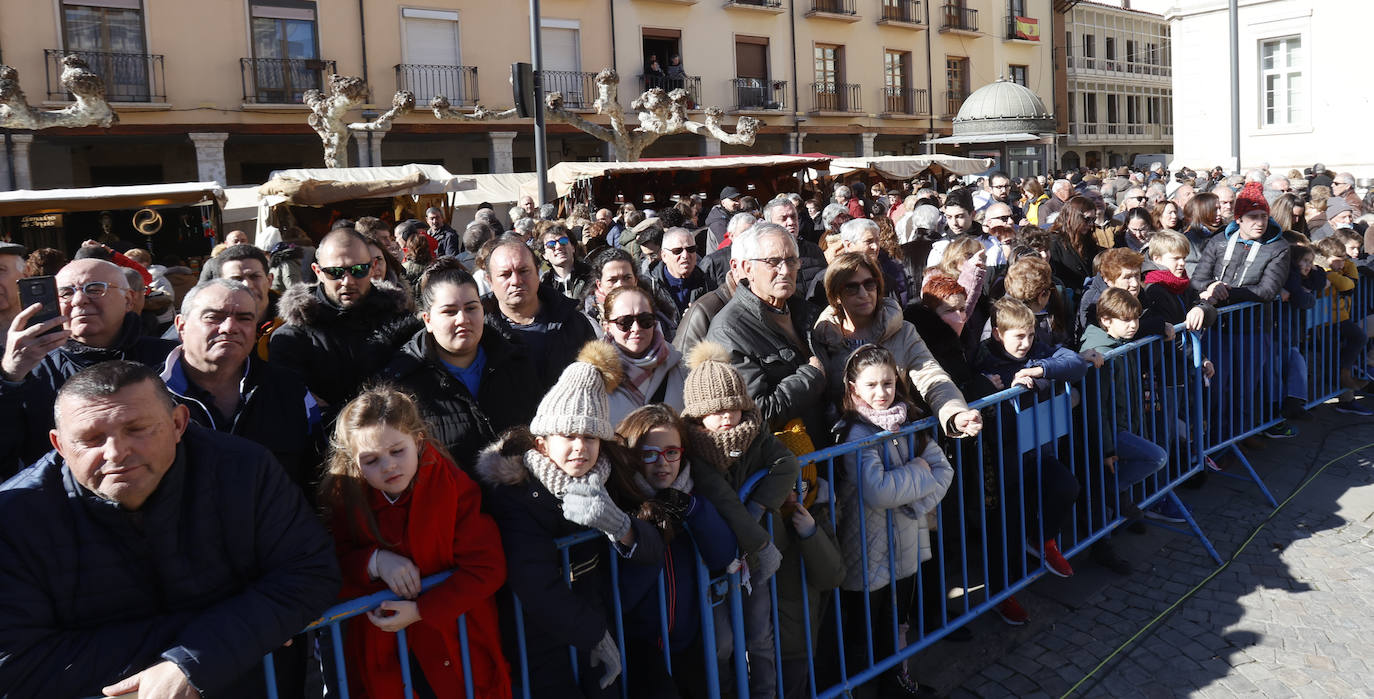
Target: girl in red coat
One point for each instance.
(402, 511)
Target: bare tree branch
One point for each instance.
(402, 103)
(327, 115)
(443, 110)
(87, 89)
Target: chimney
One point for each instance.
(1125, 4)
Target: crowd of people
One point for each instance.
(318, 422)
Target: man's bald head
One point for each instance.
(341, 251)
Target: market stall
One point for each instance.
(177, 220)
(892, 170)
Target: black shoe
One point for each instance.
(1130, 511)
(1137, 526)
(1196, 482)
(963, 634)
(1104, 555)
(1295, 409)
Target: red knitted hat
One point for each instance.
(1251, 198)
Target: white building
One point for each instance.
(1301, 97)
(1120, 85)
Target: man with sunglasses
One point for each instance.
(563, 272)
(341, 330)
(675, 276)
(95, 305)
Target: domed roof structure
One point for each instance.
(1003, 107)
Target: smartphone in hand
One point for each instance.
(40, 290)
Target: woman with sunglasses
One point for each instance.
(563, 268)
(859, 314)
(653, 368)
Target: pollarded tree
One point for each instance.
(88, 108)
(327, 112)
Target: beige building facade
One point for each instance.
(211, 90)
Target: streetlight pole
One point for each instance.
(1235, 87)
(541, 165)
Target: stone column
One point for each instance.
(502, 151)
(608, 151)
(866, 140)
(374, 149)
(709, 146)
(796, 142)
(210, 156)
(4, 167)
(23, 175)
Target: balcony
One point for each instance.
(773, 7)
(129, 77)
(900, 102)
(282, 80)
(953, 101)
(457, 83)
(759, 95)
(836, 98)
(959, 19)
(690, 83)
(842, 10)
(1092, 65)
(1084, 133)
(901, 13)
(1011, 31)
(578, 87)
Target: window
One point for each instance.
(1068, 44)
(1016, 8)
(1281, 76)
(285, 49)
(1112, 116)
(1130, 52)
(1089, 46)
(1110, 45)
(108, 35)
(1017, 75)
(896, 83)
(1152, 110)
(752, 87)
(1090, 107)
(830, 95)
(1152, 55)
(1132, 109)
(956, 83)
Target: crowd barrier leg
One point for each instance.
(1252, 476)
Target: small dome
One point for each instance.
(1003, 107)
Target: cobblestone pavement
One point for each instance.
(1291, 617)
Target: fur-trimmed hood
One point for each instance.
(502, 463)
(306, 304)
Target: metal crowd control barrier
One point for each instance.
(1032, 442)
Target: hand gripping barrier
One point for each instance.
(1036, 472)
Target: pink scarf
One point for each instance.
(639, 371)
(889, 420)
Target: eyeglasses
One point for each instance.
(357, 271)
(651, 455)
(778, 263)
(645, 321)
(869, 285)
(93, 290)
(551, 244)
(999, 218)
(678, 251)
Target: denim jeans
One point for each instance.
(1136, 459)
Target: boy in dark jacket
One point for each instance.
(1012, 357)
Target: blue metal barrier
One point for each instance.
(1153, 388)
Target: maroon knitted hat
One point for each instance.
(1251, 198)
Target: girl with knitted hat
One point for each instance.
(886, 492)
(693, 527)
(731, 443)
(563, 476)
(401, 510)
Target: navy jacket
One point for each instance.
(26, 407)
(222, 564)
(554, 347)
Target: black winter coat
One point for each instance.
(562, 332)
(663, 293)
(776, 372)
(464, 424)
(950, 351)
(26, 407)
(222, 564)
(275, 411)
(334, 350)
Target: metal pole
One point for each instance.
(541, 166)
(1235, 87)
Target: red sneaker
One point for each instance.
(1054, 560)
(1012, 612)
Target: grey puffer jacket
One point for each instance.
(907, 488)
(1250, 274)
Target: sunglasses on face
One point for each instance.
(92, 290)
(652, 454)
(869, 285)
(356, 271)
(645, 321)
(551, 244)
(678, 251)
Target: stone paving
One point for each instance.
(1293, 616)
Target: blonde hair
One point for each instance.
(957, 253)
(1167, 243)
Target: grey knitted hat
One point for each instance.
(579, 403)
(713, 384)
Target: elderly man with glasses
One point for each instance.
(95, 323)
(676, 276)
(341, 330)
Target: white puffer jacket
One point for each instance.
(906, 487)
